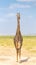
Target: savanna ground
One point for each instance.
(8, 52)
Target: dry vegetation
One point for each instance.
(29, 42)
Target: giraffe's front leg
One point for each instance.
(17, 55)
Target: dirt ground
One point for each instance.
(8, 57)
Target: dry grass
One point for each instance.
(29, 42)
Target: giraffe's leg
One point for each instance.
(17, 55)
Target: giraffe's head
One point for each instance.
(18, 16)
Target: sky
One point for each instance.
(8, 19)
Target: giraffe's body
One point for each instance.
(18, 38)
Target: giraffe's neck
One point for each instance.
(18, 25)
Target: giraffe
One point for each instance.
(18, 38)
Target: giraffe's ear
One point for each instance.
(18, 14)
